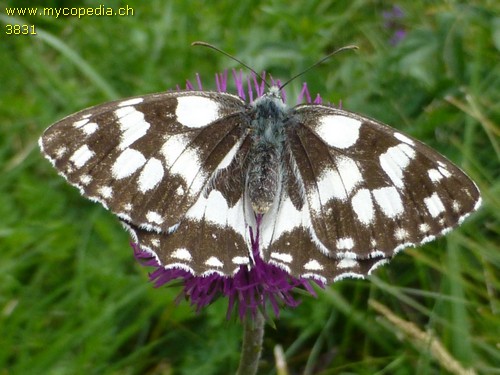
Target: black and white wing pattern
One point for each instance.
(358, 193)
(153, 161)
(327, 193)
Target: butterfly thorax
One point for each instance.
(267, 131)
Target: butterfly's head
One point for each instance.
(272, 100)
(275, 92)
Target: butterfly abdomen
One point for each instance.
(263, 177)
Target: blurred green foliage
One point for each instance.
(72, 298)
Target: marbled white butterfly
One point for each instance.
(330, 193)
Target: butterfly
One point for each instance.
(198, 177)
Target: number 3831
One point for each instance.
(20, 30)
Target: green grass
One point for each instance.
(74, 301)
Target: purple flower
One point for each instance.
(394, 22)
(251, 289)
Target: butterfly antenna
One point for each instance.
(319, 62)
(204, 44)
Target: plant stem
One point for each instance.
(253, 334)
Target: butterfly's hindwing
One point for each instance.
(312, 263)
(212, 239)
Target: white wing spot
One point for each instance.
(313, 265)
(214, 262)
(349, 172)
(339, 185)
(228, 158)
(284, 267)
(395, 160)
(428, 239)
(329, 186)
(434, 175)
(126, 217)
(347, 263)
(173, 228)
(376, 254)
(127, 206)
(338, 131)
(132, 124)
(151, 175)
(80, 123)
(446, 231)
(362, 204)
(389, 201)
(85, 179)
(60, 152)
(404, 138)
(346, 275)
(81, 156)
(424, 228)
(444, 171)
(128, 162)
(196, 111)
(455, 206)
(314, 276)
(154, 217)
(182, 254)
(345, 243)
(434, 205)
(213, 209)
(284, 257)
(90, 128)
(479, 201)
(347, 254)
(400, 234)
(287, 220)
(106, 192)
(130, 102)
(187, 166)
(173, 147)
(241, 260)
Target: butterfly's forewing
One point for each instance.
(147, 158)
(370, 191)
